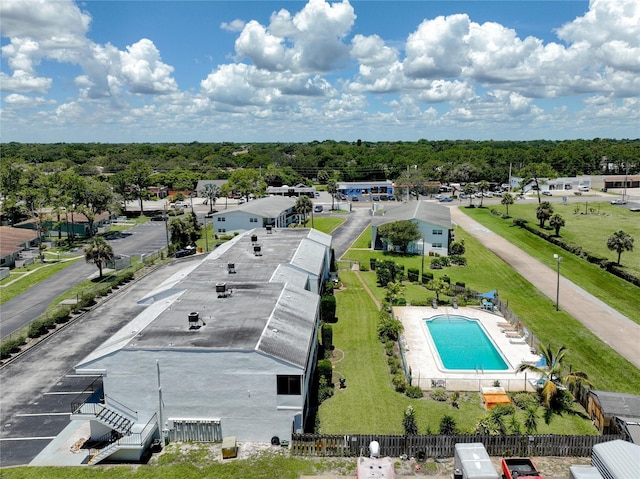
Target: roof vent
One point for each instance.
(223, 292)
(254, 238)
(257, 250)
(231, 268)
(269, 228)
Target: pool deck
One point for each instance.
(423, 359)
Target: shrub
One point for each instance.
(458, 260)
(447, 425)
(436, 263)
(399, 383)
(400, 302)
(327, 337)
(327, 308)
(414, 392)
(439, 394)
(325, 390)
(363, 266)
(412, 274)
(325, 370)
(372, 264)
(11, 346)
(388, 348)
(523, 400)
(426, 277)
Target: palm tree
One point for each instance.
(554, 374)
(303, 206)
(620, 241)
(556, 222)
(437, 285)
(507, 199)
(544, 212)
(469, 190)
(531, 419)
(98, 252)
(482, 186)
(332, 189)
(212, 192)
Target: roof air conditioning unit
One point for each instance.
(221, 287)
(231, 268)
(193, 320)
(257, 250)
(269, 228)
(254, 238)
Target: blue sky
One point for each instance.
(290, 71)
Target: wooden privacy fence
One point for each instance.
(422, 447)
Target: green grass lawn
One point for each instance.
(38, 273)
(372, 404)
(327, 224)
(617, 293)
(485, 272)
(588, 224)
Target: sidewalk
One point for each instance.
(615, 329)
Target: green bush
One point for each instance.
(363, 266)
(327, 337)
(413, 274)
(61, 314)
(328, 308)
(458, 260)
(414, 392)
(325, 370)
(11, 346)
(426, 277)
(399, 383)
(439, 394)
(388, 348)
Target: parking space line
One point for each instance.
(62, 393)
(28, 438)
(35, 414)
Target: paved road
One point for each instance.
(39, 386)
(24, 308)
(348, 232)
(616, 330)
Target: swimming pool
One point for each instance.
(462, 343)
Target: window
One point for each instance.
(253, 220)
(437, 232)
(290, 385)
(221, 218)
(436, 245)
(222, 230)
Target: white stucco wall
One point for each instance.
(239, 388)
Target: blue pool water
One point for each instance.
(463, 344)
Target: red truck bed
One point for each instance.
(519, 468)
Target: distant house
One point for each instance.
(298, 190)
(225, 347)
(434, 223)
(275, 211)
(76, 224)
(13, 241)
(612, 413)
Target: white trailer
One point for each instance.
(471, 461)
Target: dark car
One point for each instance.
(160, 218)
(375, 198)
(188, 251)
(318, 208)
(446, 199)
(355, 198)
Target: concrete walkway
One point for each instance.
(615, 329)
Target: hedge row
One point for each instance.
(611, 266)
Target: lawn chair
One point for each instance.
(454, 302)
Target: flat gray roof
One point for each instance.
(264, 307)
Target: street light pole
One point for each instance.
(558, 261)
